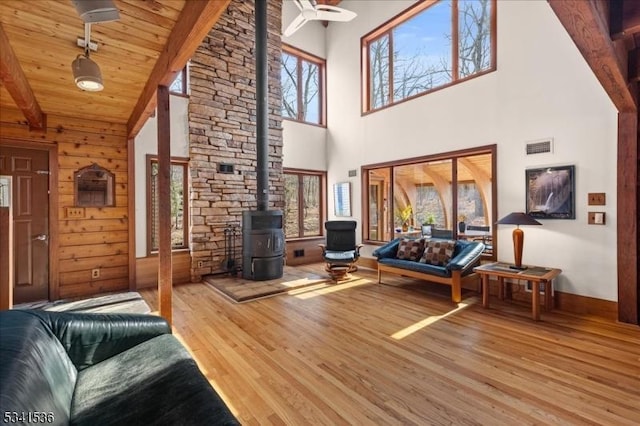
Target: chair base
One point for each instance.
(340, 272)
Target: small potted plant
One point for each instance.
(428, 223)
(404, 215)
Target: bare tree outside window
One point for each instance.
(303, 203)
(310, 90)
(474, 39)
(291, 206)
(422, 52)
(177, 200)
(379, 66)
(311, 203)
(289, 77)
(301, 88)
(423, 56)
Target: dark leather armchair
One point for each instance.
(341, 251)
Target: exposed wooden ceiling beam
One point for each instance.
(15, 81)
(195, 21)
(590, 33)
(624, 18)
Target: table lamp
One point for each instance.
(518, 218)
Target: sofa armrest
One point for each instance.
(92, 338)
(467, 257)
(388, 250)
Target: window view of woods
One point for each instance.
(422, 50)
(179, 227)
(303, 204)
(301, 77)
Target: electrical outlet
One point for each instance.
(200, 264)
(597, 199)
(75, 212)
(95, 273)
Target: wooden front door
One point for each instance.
(29, 169)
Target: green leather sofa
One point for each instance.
(100, 369)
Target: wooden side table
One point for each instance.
(533, 275)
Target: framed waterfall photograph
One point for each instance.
(551, 192)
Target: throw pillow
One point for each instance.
(438, 252)
(410, 249)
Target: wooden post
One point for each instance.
(6, 258)
(164, 204)
(628, 286)
(131, 209)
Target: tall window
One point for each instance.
(430, 45)
(440, 191)
(302, 78)
(179, 204)
(304, 203)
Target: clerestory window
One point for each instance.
(431, 45)
(302, 78)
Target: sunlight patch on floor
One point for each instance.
(432, 319)
(302, 282)
(330, 288)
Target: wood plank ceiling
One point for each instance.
(43, 35)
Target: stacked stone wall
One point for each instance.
(222, 129)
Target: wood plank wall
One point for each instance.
(100, 240)
(311, 248)
(147, 270)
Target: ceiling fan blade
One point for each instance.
(295, 25)
(325, 12)
(303, 4)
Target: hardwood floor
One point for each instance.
(371, 354)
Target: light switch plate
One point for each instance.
(597, 218)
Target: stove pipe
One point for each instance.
(262, 105)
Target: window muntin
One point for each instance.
(431, 45)
(179, 204)
(304, 211)
(302, 80)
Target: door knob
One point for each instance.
(40, 237)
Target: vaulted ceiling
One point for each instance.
(150, 43)
(154, 39)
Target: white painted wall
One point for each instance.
(147, 143)
(304, 145)
(542, 88)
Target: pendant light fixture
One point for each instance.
(86, 72)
